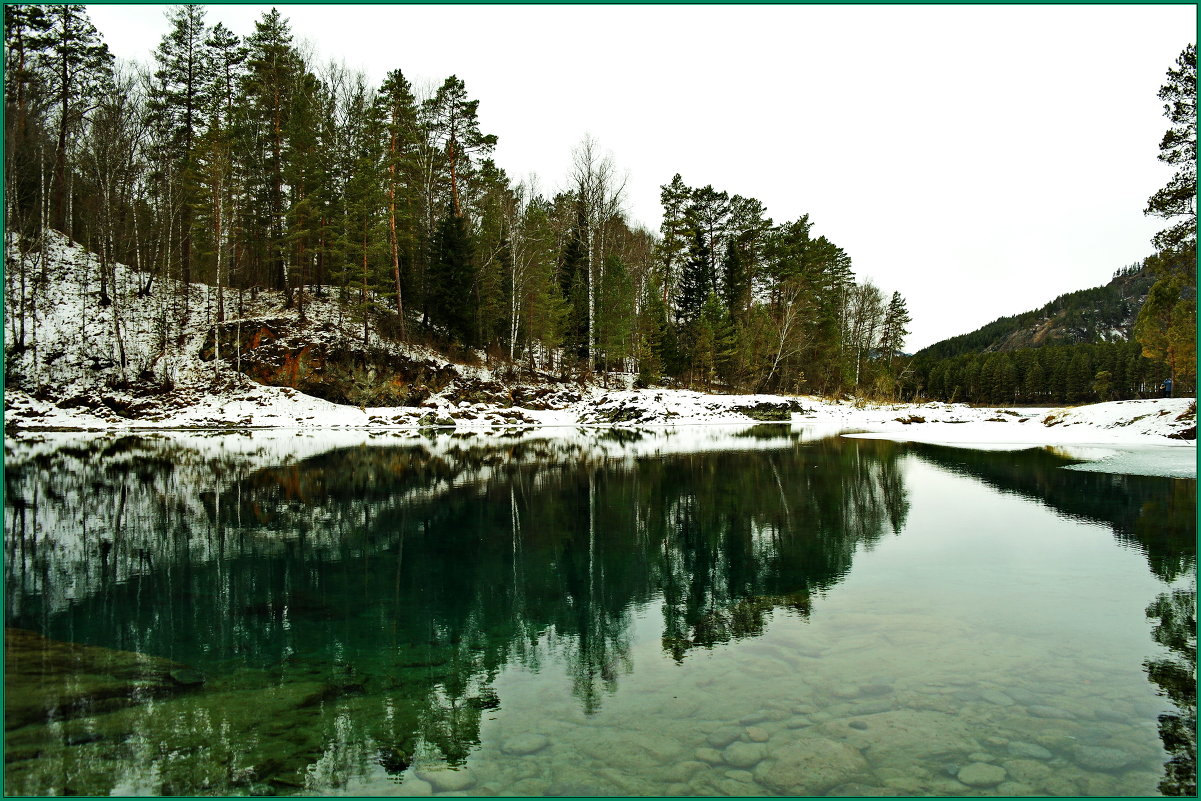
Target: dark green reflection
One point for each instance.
(405, 578)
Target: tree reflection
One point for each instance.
(397, 581)
(1156, 515)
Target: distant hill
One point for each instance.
(1088, 316)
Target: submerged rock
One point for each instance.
(1042, 711)
(720, 738)
(524, 744)
(187, 677)
(997, 697)
(46, 678)
(743, 755)
(811, 766)
(1029, 751)
(1096, 757)
(445, 779)
(981, 774)
(757, 734)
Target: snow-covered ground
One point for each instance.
(85, 374)
(1141, 436)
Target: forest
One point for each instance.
(247, 164)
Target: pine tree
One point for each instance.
(397, 109)
(453, 120)
(177, 110)
(674, 231)
(78, 68)
(615, 315)
(272, 70)
(363, 240)
(452, 268)
(1179, 148)
(696, 279)
(892, 338)
(573, 283)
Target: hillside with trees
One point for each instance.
(239, 187)
(1088, 316)
(233, 166)
(1118, 341)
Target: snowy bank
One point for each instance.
(1144, 436)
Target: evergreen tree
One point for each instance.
(78, 68)
(892, 337)
(453, 279)
(674, 234)
(696, 278)
(573, 283)
(453, 120)
(615, 318)
(273, 68)
(177, 110)
(1179, 148)
(397, 109)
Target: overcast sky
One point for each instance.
(979, 159)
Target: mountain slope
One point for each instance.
(1088, 316)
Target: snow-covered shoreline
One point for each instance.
(1147, 436)
(77, 375)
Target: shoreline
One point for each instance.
(1149, 437)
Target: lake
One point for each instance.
(692, 611)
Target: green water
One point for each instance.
(731, 612)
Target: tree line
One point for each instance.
(244, 163)
(1069, 374)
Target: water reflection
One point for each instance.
(1156, 517)
(364, 600)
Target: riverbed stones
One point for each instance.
(981, 774)
(1044, 711)
(997, 697)
(1028, 771)
(743, 755)
(709, 756)
(71, 678)
(812, 765)
(1096, 757)
(447, 780)
(683, 771)
(757, 734)
(905, 735)
(187, 677)
(1028, 751)
(1109, 715)
(720, 738)
(1022, 696)
(524, 744)
(414, 787)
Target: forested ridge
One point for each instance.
(245, 164)
(1134, 337)
(1101, 314)
(1078, 348)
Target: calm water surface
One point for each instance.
(690, 612)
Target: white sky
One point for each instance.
(979, 159)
